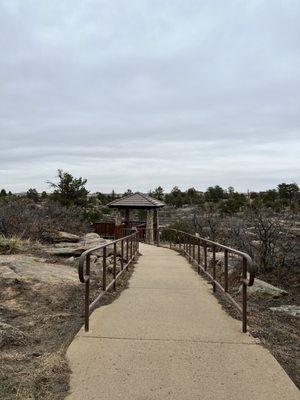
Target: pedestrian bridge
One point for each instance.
(166, 335)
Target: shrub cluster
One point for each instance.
(28, 220)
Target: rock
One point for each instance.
(292, 310)
(10, 335)
(233, 261)
(71, 260)
(93, 258)
(60, 236)
(66, 244)
(25, 267)
(91, 236)
(6, 272)
(65, 251)
(92, 240)
(68, 249)
(264, 289)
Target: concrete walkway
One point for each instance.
(166, 337)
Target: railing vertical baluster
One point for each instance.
(214, 267)
(187, 249)
(127, 251)
(104, 269)
(115, 265)
(122, 254)
(205, 255)
(87, 295)
(226, 270)
(244, 285)
(198, 257)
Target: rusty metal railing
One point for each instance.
(196, 249)
(129, 249)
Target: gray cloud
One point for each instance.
(140, 93)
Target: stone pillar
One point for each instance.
(118, 217)
(149, 227)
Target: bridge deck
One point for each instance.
(166, 336)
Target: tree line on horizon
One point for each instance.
(71, 191)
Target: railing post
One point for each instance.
(104, 269)
(205, 255)
(194, 251)
(122, 254)
(214, 267)
(244, 285)
(127, 250)
(87, 296)
(115, 266)
(226, 270)
(198, 258)
(131, 248)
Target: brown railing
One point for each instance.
(129, 247)
(196, 249)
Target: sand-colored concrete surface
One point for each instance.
(166, 336)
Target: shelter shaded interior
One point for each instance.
(124, 222)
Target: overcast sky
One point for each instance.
(136, 93)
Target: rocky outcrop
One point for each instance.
(264, 289)
(233, 261)
(24, 267)
(68, 249)
(291, 310)
(60, 236)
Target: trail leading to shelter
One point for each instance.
(166, 336)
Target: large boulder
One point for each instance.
(68, 249)
(92, 239)
(264, 289)
(24, 267)
(60, 236)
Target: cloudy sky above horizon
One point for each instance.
(140, 93)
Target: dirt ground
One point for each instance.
(38, 322)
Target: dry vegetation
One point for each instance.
(39, 317)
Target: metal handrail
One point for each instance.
(250, 266)
(129, 248)
(188, 248)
